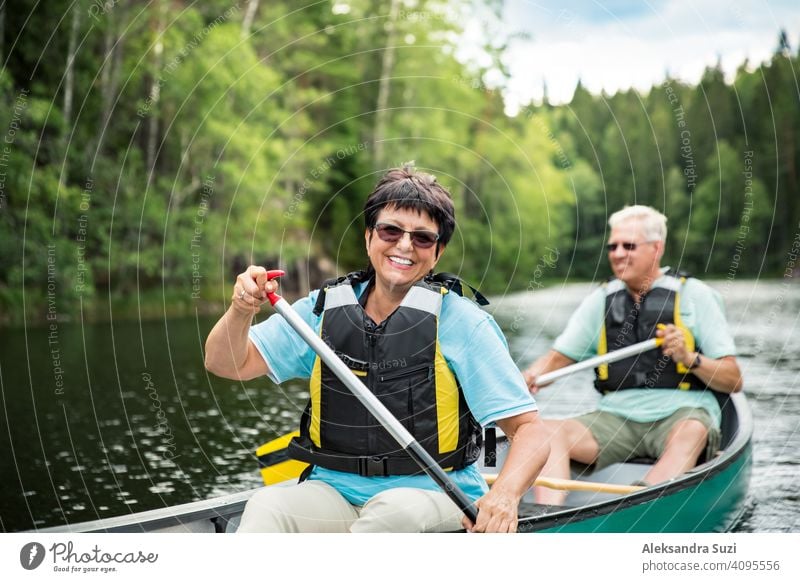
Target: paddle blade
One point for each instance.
(274, 462)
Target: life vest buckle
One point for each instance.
(353, 363)
(373, 466)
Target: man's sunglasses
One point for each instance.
(628, 246)
(423, 239)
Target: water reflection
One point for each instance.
(138, 425)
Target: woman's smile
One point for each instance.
(400, 263)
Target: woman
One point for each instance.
(439, 363)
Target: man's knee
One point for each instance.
(688, 433)
(562, 432)
(551, 426)
(574, 437)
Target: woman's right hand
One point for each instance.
(229, 351)
(251, 289)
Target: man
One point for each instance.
(659, 404)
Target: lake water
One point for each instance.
(106, 419)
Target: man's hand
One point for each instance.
(530, 376)
(549, 362)
(674, 344)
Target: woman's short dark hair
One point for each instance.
(406, 189)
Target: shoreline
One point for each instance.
(153, 305)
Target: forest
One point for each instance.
(152, 150)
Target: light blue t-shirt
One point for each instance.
(474, 348)
(702, 311)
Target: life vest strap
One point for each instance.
(449, 281)
(455, 283)
(365, 466)
(490, 447)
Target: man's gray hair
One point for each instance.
(654, 224)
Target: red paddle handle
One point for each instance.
(274, 297)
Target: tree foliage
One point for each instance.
(163, 147)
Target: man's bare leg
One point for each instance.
(569, 439)
(685, 442)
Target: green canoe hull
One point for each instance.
(712, 505)
(710, 498)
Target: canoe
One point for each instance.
(709, 498)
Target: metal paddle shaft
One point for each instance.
(608, 358)
(372, 404)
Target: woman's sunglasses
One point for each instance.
(423, 239)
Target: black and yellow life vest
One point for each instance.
(627, 323)
(398, 360)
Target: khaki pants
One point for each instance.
(620, 439)
(314, 506)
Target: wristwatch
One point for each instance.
(697, 361)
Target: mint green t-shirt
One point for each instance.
(702, 311)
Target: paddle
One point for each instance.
(371, 403)
(276, 465)
(607, 358)
(575, 485)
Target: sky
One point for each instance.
(616, 44)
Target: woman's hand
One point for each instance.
(229, 352)
(497, 510)
(251, 289)
(497, 513)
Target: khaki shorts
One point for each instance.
(620, 439)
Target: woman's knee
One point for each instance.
(265, 511)
(388, 511)
(311, 506)
(406, 510)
